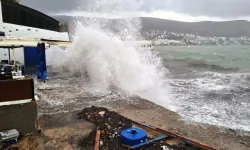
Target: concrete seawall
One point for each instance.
(22, 117)
(18, 109)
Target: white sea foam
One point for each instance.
(215, 98)
(103, 60)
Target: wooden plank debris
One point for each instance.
(97, 140)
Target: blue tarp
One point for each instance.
(41, 66)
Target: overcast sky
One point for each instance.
(183, 10)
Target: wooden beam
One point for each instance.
(97, 140)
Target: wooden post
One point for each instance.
(97, 140)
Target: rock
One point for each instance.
(40, 146)
(44, 88)
(102, 113)
(37, 98)
(101, 143)
(50, 143)
(68, 147)
(108, 126)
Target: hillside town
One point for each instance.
(162, 38)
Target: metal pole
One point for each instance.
(14, 58)
(176, 136)
(9, 55)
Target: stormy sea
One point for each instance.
(210, 84)
(204, 84)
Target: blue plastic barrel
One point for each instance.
(133, 136)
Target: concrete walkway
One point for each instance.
(60, 131)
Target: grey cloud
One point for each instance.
(217, 8)
(213, 8)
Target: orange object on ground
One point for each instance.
(97, 139)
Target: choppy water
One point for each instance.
(208, 84)
(211, 84)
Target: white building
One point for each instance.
(23, 22)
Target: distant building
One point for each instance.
(171, 38)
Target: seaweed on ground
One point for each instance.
(111, 124)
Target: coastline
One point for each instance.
(217, 137)
(64, 130)
(137, 109)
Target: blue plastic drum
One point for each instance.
(133, 136)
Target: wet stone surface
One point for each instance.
(111, 124)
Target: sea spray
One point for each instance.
(101, 57)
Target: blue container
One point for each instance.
(31, 58)
(133, 136)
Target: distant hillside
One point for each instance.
(206, 28)
(237, 28)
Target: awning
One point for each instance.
(23, 42)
